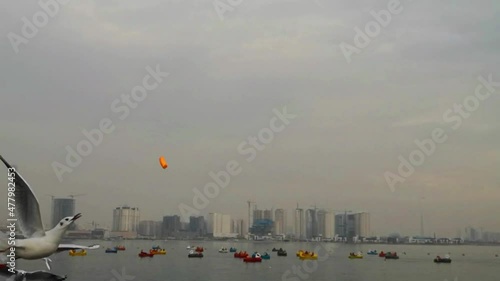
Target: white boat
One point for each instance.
(223, 250)
(189, 247)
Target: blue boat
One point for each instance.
(232, 250)
(111, 250)
(372, 252)
(265, 256)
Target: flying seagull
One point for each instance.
(38, 243)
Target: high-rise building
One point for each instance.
(149, 228)
(362, 224)
(219, 225)
(299, 224)
(61, 208)
(326, 224)
(472, 234)
(280, 225)
(268, 215)
(197, 225)
(329, 230)
(242, 227)
(171, 226)
(258, 214)
(126, 219)
(351, 225)
(312, 227)
(235, 227)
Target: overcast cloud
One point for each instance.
(353, 119)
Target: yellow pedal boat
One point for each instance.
(75, 253)
(308, 256)
(158, 252)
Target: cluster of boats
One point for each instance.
(195, 253)
(388, 255)
(115, 250)
(155, 250)
(255, 257)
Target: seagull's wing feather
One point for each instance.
(67, 247)
(33, 275)
(27, 210)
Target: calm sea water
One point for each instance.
(479, 263)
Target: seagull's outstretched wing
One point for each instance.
(20, 275)
(67, 247)
(27, 210)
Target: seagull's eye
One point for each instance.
(66, 219)
(61, 224)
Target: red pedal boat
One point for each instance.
(250, 259)
(144, 254)
(241, 255)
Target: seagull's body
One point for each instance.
(38, 243)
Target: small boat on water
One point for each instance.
(111, 250)
(232, 250)
(241, 254)
(158, 252)
(74, 253)
(156, 247)
(439, 259)
(392, 256)
(275, 250)
(372, 252)
(143, 254)
(194, 254)
(223, 250)
(308, 256)
(266, 256)
(357, 255)
(256, 257)
(199, 249)
(382, 254)
(282, 253)
(120, 248)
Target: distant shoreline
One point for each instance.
(283, 242)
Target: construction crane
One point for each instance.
(75, 195)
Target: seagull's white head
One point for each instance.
(67, 221)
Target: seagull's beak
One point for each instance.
(77, 216)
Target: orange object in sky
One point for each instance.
(163, 162)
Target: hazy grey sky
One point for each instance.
(226, 76)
